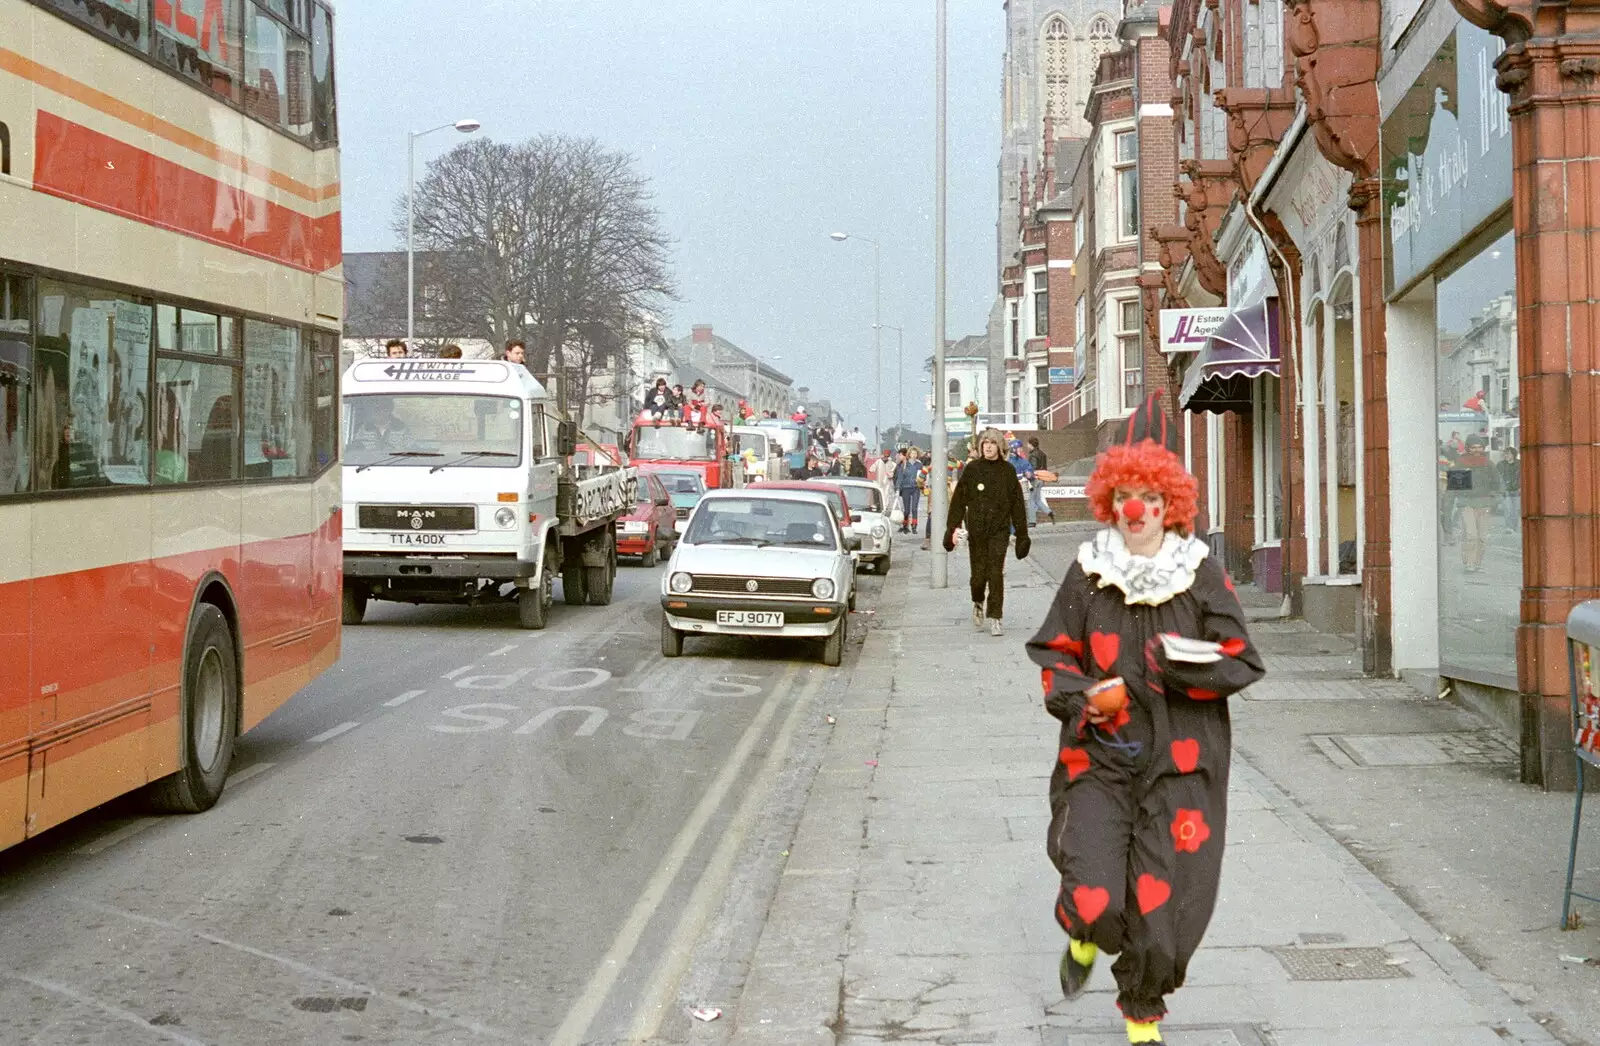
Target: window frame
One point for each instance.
(1123, 169)
(1041, 303)
(148, 56)
(1126, 337)
(37, 275)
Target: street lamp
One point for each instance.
(877, 318)
(465, 127)
(899, 374)
(937, 508)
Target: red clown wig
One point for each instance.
(1140, 462)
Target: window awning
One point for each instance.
(1244, 347)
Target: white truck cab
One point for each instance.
(459, 487)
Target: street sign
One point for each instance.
(1186, 330)
(1062, 375)
(1064, 493)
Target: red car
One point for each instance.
(650, 530)
(836, 497)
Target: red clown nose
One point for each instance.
(1133, 509)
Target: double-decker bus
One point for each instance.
(170, 306)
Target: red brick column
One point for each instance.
(1377, 639)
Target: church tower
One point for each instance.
(1052, 50)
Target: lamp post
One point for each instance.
(877, 323)
(939, 488)
(465, 127)
(899, 374)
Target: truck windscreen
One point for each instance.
(433, 430)
(673, 443)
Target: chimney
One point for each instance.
(702, 334)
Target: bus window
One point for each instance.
(16, 377)
(197, 437)
(325, 129)
(277, 429)
(91, 373)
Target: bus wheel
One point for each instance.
(209, 716)
(353, 603)
(602, 580)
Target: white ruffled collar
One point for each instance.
(1149, 580)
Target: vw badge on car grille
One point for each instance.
(750, 586)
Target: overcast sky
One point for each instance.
(763, 125)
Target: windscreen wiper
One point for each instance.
(757, 542)
(472, 454)
(400, 454)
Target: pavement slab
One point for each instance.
(918, 886)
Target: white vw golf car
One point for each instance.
(759, 562)
(871, 521)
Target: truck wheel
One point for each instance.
(601, 581)
(210, 717)
(833, 646)
(353, 604)
(671, 640)
(533, 604)
(574, 591)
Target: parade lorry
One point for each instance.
(671, 442)
(461, 486)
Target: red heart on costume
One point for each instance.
(1153, 893)
(1105, 648)
(1203, 695)
(1186, 755)
(1233, 646)
(1066, 645)
(1076, 760)
(1090, 901)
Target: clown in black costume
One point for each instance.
(1138, 795)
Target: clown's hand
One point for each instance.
(1024, 544)
(950, 541)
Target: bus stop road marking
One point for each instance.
(503, 650)
(239, 777)
(396, 702)
(84, 999)
(344, 984)
(463, 670)
(329, 735)
(110, 839)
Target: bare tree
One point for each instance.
(555, 240)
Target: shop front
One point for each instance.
(1310, 197)
(1454, 384)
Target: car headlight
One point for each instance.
(822, 588)
(505, 518)
(880, 531)
(681, 583)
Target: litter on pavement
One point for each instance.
(706, 1013)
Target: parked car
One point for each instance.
(684, 486)
(869, 521)
(760, 562)
(650, 530)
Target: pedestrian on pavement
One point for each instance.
(1036, 503)
(908, 480)
(853, 466)
(988, 499)
(1138, 796)
(881, 472)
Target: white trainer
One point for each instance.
(994, 626)
(977, 616)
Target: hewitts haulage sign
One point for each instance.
(1446, 156)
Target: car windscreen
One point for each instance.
(673, 443)
(433, 430)
(762, 522)
(862, 499)
(683, 482)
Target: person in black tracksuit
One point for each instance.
(989, 500)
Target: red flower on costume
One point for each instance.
(1076, 760)
(1190, 831)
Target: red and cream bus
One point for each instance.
(170, 306)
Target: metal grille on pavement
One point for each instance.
(1338, 964)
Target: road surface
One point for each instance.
(463, 832)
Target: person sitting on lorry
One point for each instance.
(697, 411)
(659, 401)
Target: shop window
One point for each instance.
(201, 40)
(1480, 471)
(277, 421)
(197, 432)
(16, 380)
(91, 369)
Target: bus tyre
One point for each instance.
(671, 640)
(600, 581)
(353, 602)
(209, 717)
(833, 646)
